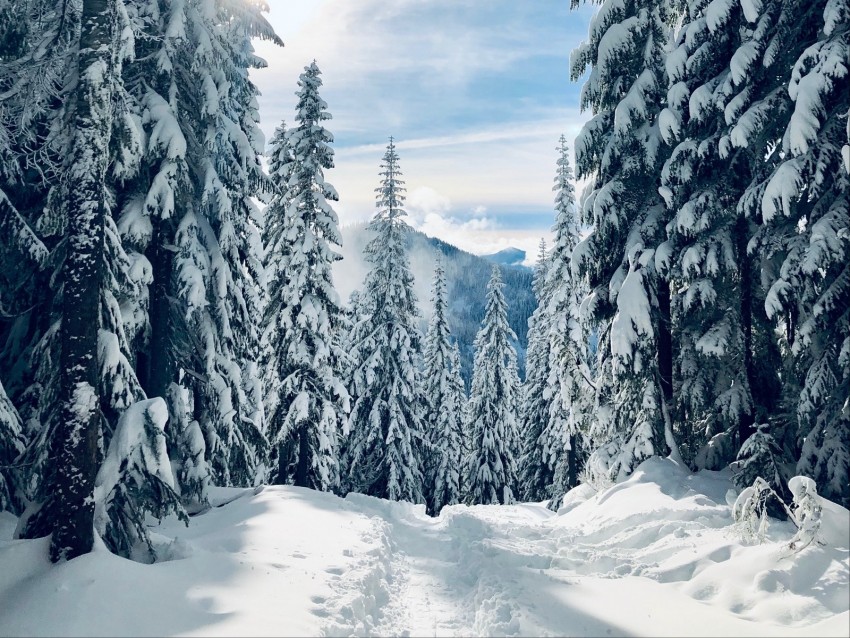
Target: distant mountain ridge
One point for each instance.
(467, 276)
(508, 257)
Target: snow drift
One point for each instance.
(656, 555)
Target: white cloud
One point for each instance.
(448, 78)
(424, 201)
(459, 173)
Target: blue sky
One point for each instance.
(476, 93)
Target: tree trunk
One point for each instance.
(745, 427)
(572, 478)
(665, 341)
(303, 467)
(160, 363)
(665, 367)
(72, 509)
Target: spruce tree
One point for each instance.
(806, 209)
(304, 311)
(442, 418)
(39, 53)
(536, 464)
(460, 398)
(11, 447)
(190, 214)
(69, 507)
(493, 402)
(383, 454)
(44, 200)
(570, 391)
(136, 479)
(705, 256)
(757, 108)
(621, 150)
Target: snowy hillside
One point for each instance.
(655, 555)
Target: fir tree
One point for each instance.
(304, 309)
(621, 150)
(443, 412)
(492, 413)
(806, 209)
(460, 398)
(36, 129)
(68, 509)
(189, 213)
(536, 465)
(383, 455)
(135, 479)
(11, 447)
(569, 391)
(705, 256)
(757, 108)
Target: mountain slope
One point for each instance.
(507, 257)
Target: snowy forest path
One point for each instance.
(459, 574)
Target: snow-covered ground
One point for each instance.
(657, 555)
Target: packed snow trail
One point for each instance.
(656, 555)
(448, 578)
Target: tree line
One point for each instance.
(160, 333)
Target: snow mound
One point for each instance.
(655, 555)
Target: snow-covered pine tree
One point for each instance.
(806, 209)
(135, 479)
(383, 454)
(758, 110)
(39, 46)
(150, 208)
(68, 508)
(459, 398)
(537, 462)
(493, 401)
(46, 194)
(11, 447)
(443, 417)
(304, 311)
(705, 256)
(280, 162)
(570, 386)
(621, 150)
(190, 214)
(234, 176)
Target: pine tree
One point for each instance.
(757, 108)
(806, 209)
(135, 479)
(492, 415)
(443, 412)
(189, 213)
(304, 308)
(280, 168)
(620, 148)
(383, 455)
(569, 388)
(460, 399)
(11, 447)
(536, 465)
(705, 256)
(69, 509)
(38, 54)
